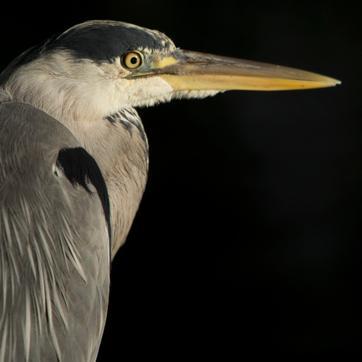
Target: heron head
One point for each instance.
(110, 65)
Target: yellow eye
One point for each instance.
(132, 60)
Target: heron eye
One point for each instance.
(132, 60)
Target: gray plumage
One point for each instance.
(64, 212)
(73, 168)
(54, 255)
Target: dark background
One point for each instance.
(248, 238)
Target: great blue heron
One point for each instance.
(73, 167)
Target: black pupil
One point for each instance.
(134, 60)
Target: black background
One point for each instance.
(248, 238)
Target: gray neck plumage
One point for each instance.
(117, 141)
(4, 96)
(129, 119)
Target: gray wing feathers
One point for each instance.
(54, 246)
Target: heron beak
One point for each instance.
(187, 70)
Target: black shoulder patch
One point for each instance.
(81, 169)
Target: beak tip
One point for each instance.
(331, 82)
(326, 82)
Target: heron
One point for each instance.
(73, 168)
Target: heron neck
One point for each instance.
(119, 145)
(121, 150)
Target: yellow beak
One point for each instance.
(187, 70)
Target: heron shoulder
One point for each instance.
(54, 241)
(34, 145)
